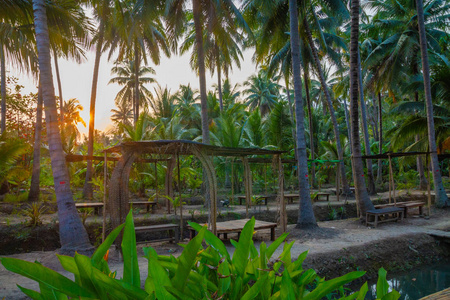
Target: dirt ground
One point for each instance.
(335, 248)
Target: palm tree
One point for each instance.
(73, 235)
(358, 172)
(122, 115)
(441, 198)
(163, 103)
(261, 91)
(33, 194)
(126, 77)
(306, 214)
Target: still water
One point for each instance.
(418, 283)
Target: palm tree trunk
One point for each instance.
(136, 82)
(347, 121)
(306, 213)
(358, 171)
(291, 112)
(329, 102)
(441, 199)
(201, 69)
(58, 80)
(380, 139)
(311, 129)
(73, 235)
(87, 189)
(219, 78)
(33, 195)
(370, 179)
(3, 88)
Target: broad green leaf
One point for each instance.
(297, 265)
(131, 273)
(45, 275)
(287, 288)
(394, 295)
(274, 246)
(98, 255)
(187, 260)
(241, 254)
(177, 294)
(255, 289)
(212, 240)
(382, 283)
(262, 256)
(225, 281)
(253, 251)
(327, 287)
(234, 243)
(84, 266)
(159, 276)
(194, 276)
(31, 293)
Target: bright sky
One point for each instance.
(77, 81)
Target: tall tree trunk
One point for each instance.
(58, 80)
(306, 213)
(87, 189)
(33, 195)
(423, 183)
(380, 139)
(3, 88)
(136, 82)
(311, 129)
(73, 235)
(329, 103)
(196, 10)
(441, 199)
(291, 112)
(358, 171)
(219, 78)
(370, 179)
(347, 121)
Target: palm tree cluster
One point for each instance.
(331, 73)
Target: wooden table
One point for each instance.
(147, 204)
(405, 205)
(97, 206)
(265, 197)
(236, 226)
(389, 214)
(316, 197)
(161, 227)
(290, 197)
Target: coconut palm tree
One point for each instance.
(163, 103)
(261, 92)
(122, 115)
(126, 77)
(73, 235)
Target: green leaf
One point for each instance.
(30, 293)
(225, 281)
(187, 260)
(84, 266)
(382, 283)
(287, 288)
(394, 295)
(241, 254)
(327, 287)
(212, 240)
(131, 273)
(98, 255)
(159, 276)
(274, 246)
(256, 288)
(46, 276)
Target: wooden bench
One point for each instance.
(147, 204)
(173, 229)
(290, 197)
(317, 196)
(97, 206)
(264, 197)
(405, 205)
(236, 226)
(387, 214)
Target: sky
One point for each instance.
(76, 80)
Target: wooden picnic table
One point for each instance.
(173, 230)
(97, 206)
(405, 205)
(388, 214)
(290, 197)
(147, 204)
(236, 226)
(265, 197)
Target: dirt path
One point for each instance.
(331, 241)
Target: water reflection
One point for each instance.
(418, 283)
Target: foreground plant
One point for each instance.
(198, 273)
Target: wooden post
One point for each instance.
(247, 184)
(282, 203)
(156, 182)
(179, 195)
(428, 186)
(265, 178)
(105, 179)
(390, 178)
(337, 181)
(391, 175)
(169, 181)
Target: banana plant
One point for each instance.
(198, 273)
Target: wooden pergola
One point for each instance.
(170, 150)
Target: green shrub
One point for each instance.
(198, 273)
